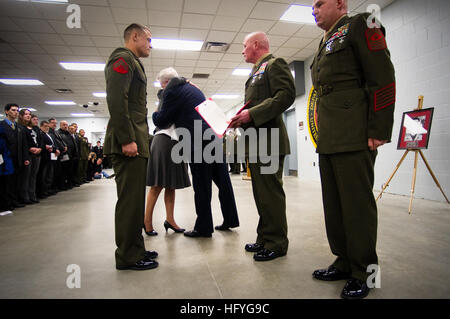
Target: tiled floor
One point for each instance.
(38, 242)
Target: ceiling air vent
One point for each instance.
(63, 90)
(200, 76)
(219, 47)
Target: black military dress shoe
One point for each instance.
(254, 248)
(355, 289)
(266, 255)
(151, 254)
(222, 227)
(143, 264)
(194, 233)
(330, 274)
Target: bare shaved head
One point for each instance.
(256, 44)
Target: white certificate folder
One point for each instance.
(214, 116)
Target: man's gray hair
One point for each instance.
(167, 74)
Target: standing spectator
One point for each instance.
(34, 147)
(68, 156)
(84, 153)
(58, 177)
(25, 171)
(6, 168)
(98, 150)
(76, 155)
(49, 155)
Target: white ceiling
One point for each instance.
(35, 38)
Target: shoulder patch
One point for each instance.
(120, 66)
(375, 39)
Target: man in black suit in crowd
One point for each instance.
(46, 170)
(18, 148)
(58, 181)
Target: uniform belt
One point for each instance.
(335, 87)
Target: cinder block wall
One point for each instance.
(418, 36)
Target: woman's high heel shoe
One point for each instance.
(150, 233)
(167, 225)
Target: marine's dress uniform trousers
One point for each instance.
(126, 86)
(354, 78)
(269, 91)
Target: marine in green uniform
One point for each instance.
(354, 77)
(269, 91)
(127, 143)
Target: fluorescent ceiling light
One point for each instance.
(242, 72)
(156, 84)
(82, 114)
(21, 82)
(81, 66)
(50, 1)
(99, 94)
(299, 14)
(182, 45)
(27, 108)
(60, 102)
(225, 96)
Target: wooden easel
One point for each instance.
(416, 157)
(248, 176)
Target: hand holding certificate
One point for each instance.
(215, 117)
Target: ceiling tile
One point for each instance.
(96, 14)
(198, 21)
(229, 8)
(221, 36)
(284, 28)
(61, 27)
(227, 23)
(207, 63)
(285, 52)
(28, 48)
(201, 6)
(79, 50)
(56, 49)
(8, 24)
(298, 43)
(276, 40)
(212, 56)
(34, 25)
(128, 16)
(164, 32)
(104, 29)
(133, 4)
(20, 9)
(164, 18)
(309, 31)
(75, 40)
(165, 5)
(193, 34)
(268, 10)
(109, 42)
(252, 25)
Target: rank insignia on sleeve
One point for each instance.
(375, 39)
(384, 97)
(120, 66)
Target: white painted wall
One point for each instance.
(418, 36)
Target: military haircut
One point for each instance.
(44, 122)
(10, 105)
(133, 27)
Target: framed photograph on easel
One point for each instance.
(415, 129)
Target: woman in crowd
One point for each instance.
(162, 172)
